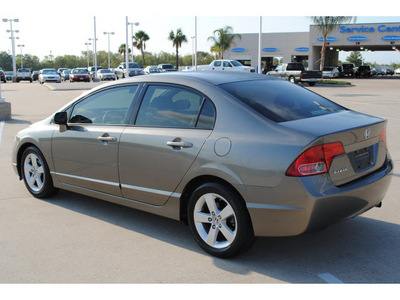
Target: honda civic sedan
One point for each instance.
(234, 155)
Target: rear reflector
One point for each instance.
(315, 160)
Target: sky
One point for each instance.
(63, 27)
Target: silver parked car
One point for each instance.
(235, 155)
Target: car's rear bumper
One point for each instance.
(314, 203)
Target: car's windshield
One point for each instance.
(236, 63)
(105, 71)
(49, 72)
(281, 101)
(79, 71)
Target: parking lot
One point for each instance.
(71, 238)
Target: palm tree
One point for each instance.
(326, 24)
(141, 38)
(223, 39)
(121, 50)
(177, 40)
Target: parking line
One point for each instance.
(1, 130)
(329, 278)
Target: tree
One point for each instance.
(121, 50)
(355, 57)
(326, 24)
(223, 39)
(177, 40)
(141, 38)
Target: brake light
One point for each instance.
(382, 137)
(315, 160)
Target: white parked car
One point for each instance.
(105, 74)
(152, 69)
(397, 71)
(225, 65)
(49, 75)
(330, 72)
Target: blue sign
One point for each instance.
(391, 38)
(270, 49)
(357, 38)
(239, 50)
(302, 49)
(328, 39)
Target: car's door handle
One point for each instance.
(180, 144)
(106, 138)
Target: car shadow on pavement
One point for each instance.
(360, 250)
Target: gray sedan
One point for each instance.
(234, 155)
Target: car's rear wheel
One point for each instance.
(219, 220)
(36, 173)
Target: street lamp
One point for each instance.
(93, 47)
(22, 60)
(87, 53)
(12, 43)
(108, 33)
(136, 24)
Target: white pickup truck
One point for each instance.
(24, 74)
(225, 65)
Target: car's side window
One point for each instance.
(110, 106)
(217, 63)
(171, 106)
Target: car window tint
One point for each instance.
(281, 101)
(227, 64)
(217, 63)
(167, 106)
(110, 106)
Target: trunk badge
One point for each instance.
(367, 133)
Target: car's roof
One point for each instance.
(211, 77)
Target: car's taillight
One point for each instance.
(382, 137)
(315, 160)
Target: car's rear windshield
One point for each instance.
(281, 101)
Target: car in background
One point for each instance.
(49, 75)
(380, 70)
(59, 70)
(92, 71)
(105, 74)
(397, 71)
(134, 70)
(79, 75)
(363, 71)
(35, 75)
(167, 68)
(389, 71)
(152, 69)
(330, 72)
(9, 76)
(3, 76)
(348, 69)
(24, 74)
(65, 74)
(232, 154)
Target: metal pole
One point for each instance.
(95, 79)
(259, 47)
(195, 43)
(126, 50)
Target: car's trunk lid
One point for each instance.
(362, 137)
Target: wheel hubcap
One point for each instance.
(34, 172)
(215, 221)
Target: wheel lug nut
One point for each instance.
(213, 227)
(209, 219)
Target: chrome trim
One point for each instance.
(270, 206)
(149, 190)
(87, 179)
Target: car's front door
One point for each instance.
(86, 153)
(170, 129)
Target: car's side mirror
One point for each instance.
(61, 118)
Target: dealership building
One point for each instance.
(306, 46)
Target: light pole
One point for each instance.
(87, 52)
(108, 33)
(22, 60)
(126, 46)
(93, 47)
(12, 43)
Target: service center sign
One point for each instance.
(367, 29)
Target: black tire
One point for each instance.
(311, 83)
(292, 79)
(219, 220)
(35, 173)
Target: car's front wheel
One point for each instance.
(219, 220)
(36, 173)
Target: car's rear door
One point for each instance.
(156, 152)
